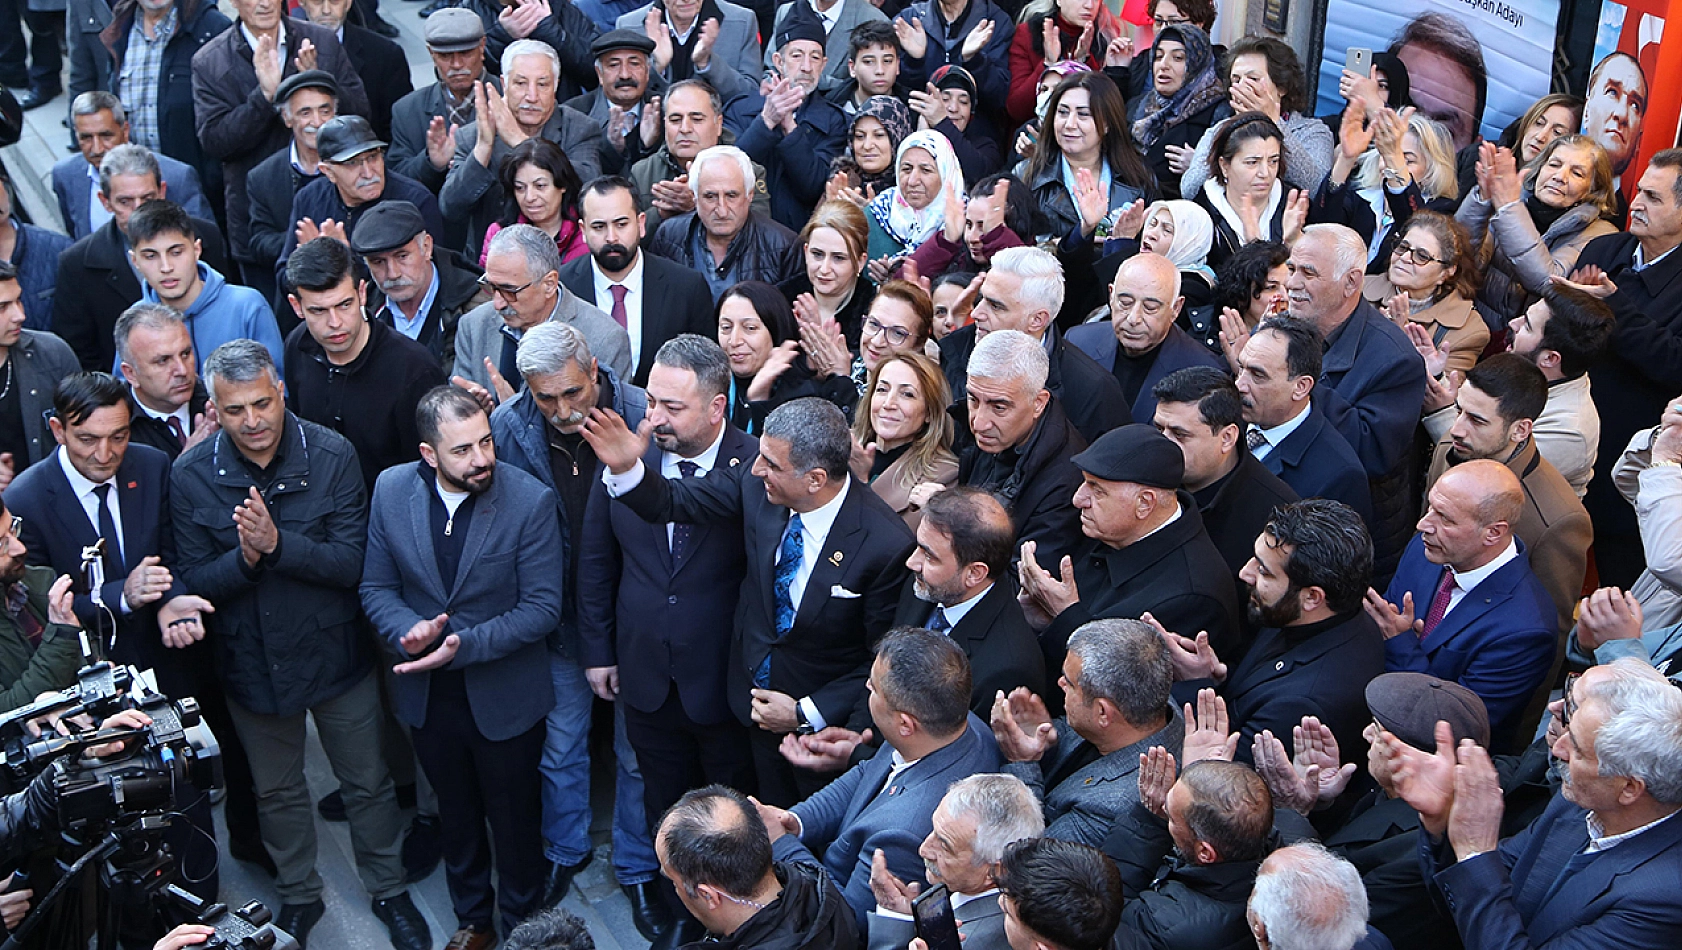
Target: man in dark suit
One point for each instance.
(101, 125)
(1022, 441)
(1116, 679)
(166, 398)
(625, 102)
(960, 585)
(96, 282)
(1485, 621)
(1372, 380)
(1279, 369)
(1315, 649)
(827, 556)
(422, 289)
(1599, 867)
(96, 486)
(463, 584)
(978, 819)
(1023, 290)
(379, 61)
(653, 298)
(1140, 344)
(919, 702)
(1637, 275)
(1145, 550)
(1201, 411)
(661, 596)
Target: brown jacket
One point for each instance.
(1555, 528)
(1457, 330)
(894, 487)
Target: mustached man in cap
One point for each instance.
(627, 103)
(419, 288)
(798, 133)
(307, 101)
(1145, 550)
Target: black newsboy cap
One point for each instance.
(1134, 453)
(386, 225)
(622, 39)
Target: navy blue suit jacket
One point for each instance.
(669, 623)
(75, 198)
(56, 528)
(1498, 641)
(847, 820)
(1318, 462)
(1372, 388)
(1176, 352)
(504, 601)
(1506, 900)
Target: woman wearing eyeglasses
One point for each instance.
(1531, 224)
(902, 438)
(1428, 291)
(900, 319)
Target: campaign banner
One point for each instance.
(1452, 49)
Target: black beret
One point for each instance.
(308, 79)
(386, 225)
(622, 39)
(1134, 453)
(1410, 705)
(801, 23)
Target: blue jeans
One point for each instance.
(566, 783)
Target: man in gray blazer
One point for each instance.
(462, 582)
(977, 819)
(523, 275)
(100, 124)
(1116, 681)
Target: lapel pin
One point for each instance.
(133, 484)
(835, 559)
(734, 462)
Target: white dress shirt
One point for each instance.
(1280, 432)
(814, 531)
(1465, 582)
(633, 303)
(180, 415)
(84, 490)
(703, 464)
(957, 612)
(829, 17)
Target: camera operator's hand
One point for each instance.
(181, 620)
(127, 719)
(61, 603)
(186, 935)
(14, 905)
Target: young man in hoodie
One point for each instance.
(164, 249)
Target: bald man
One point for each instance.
(1464, 604)
(1141, 343)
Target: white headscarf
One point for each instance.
(1194, 234)
(894, 215)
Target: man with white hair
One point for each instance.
(1372, 380)
(724, 238)
(979, 817)
(525, 108)
(1023, 290)
(541, 431)
(1599, 867)
(798, 132)
(1307, 898)
(1022, 440)
(523, 275)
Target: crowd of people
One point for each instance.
(922, 451)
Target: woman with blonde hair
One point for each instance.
(1399, 164)
(1529, 225)
(1429, 288)
(902, 434)
(833, 248)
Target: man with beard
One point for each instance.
(1315, 648)
(308, 101)
(541, 432)
(1498, 405)
(653, 298)
(1563, 334)
(271, 521)
(662, 597)
(424, 289)
(1616, 108)
(463, 584)
(626, 104)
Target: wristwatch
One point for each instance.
(802, 726)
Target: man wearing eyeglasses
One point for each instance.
(39, 649)
(353, 179)
(523, 277)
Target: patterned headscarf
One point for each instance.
(896, 119)
(1201, 89)
(895, 216)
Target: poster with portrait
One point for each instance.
(1626, 53)
(1475, 65)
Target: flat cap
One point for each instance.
(800, 23)
(308, 79)
(622, 39)
(454, 29)
(345, 137)
(1410, 705)
(1134, 453)
(386, 225)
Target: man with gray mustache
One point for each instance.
(420, 289)
(307, 101)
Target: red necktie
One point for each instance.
(619, 291)
(180, 433)
(1439, 603)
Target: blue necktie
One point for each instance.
(788, 565)
(680, 530)
(938, 622)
